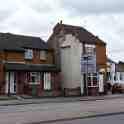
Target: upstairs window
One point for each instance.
(89, 49)
(28, 54)
(43, 55)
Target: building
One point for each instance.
(27, 66)
(119, 74)
(81, 56)
(111, 71)
(115, 72)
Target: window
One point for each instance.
(47, 81)
(115, 78)
(121, 76)
(89, 49)
(92, 80)
(33, 77)
(43, 55)
(28, 54)
(108, 76)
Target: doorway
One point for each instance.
(10, 83)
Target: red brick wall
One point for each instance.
(20, 79)
(19, 57)
(2, 80)
(56, 84)
(23, 88)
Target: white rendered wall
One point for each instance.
(71, 50)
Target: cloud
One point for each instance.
(44, 6)
(86, 7)
(38, 17)
(32, 17)
(7, 8)
(110, 29)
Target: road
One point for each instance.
(116, 119)
(22, 114)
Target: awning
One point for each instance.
(31, 67)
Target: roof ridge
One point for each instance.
(15, 41)
(83, 33)
(21, 35)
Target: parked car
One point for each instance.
(118, 88)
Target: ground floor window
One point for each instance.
(92, 80)
(10, 82)
(37, 77)
(108, 76)
(47, 81)
(33, 77)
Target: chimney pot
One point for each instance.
(61, 22)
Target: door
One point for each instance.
(101, 83)
(10, 83)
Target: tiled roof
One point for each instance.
(110, 60)
(10, 41)
(82, 34)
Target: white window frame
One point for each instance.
(91, 49)
(47, 81)
(37, 75)
(92, 76)
(43, 55)
(28, 54)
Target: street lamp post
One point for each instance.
(86, 58)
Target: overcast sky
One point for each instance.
(104, 18)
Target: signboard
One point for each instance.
(88, 64)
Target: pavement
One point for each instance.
(29, 100)
(60, 109)
(73, 119)
(111, 119)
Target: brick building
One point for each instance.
(27, 66)
(81, 56)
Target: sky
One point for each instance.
(103, 18)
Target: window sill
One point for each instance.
(43, 60)
(47, 90)
(28, 59)
(33, 83)
(92, 86)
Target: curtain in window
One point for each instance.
(47, 81)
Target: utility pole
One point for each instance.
(9, 83)
(87, 77)
(86, 58)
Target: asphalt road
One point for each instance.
(115, 119)
(22, 114)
